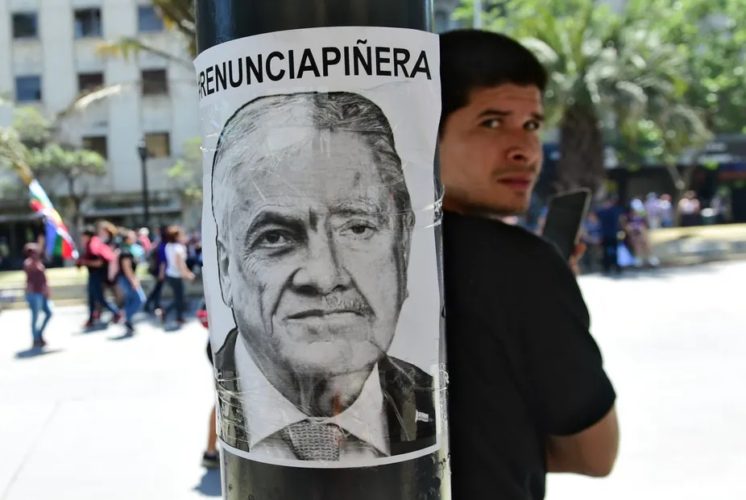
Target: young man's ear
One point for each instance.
(224, 274)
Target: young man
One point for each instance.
(527, 394)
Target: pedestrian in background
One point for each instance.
(37, 292)
(128, 282)
(176, 271)
(690, 210)
(665, 208)
(143, 239)
(157, 269)
(96, 257)
(610, 216)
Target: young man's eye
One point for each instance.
(532, 125)
(491, 123)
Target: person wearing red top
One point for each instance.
(37, 292)
(96, 258)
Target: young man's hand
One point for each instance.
(577, 254)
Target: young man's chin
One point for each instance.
(504, 208)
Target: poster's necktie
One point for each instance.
(314, 441)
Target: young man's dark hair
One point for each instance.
(517, 329)
(472, 59)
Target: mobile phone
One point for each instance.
(564, 218)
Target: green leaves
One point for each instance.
(54, 159)
(187, 171)
(29, 148)
(662, 75)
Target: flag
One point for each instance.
(58, 240)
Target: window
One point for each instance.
(25, 25)
(87, 23)
(158, 144)
(89, 81)
(28, 88)
(97, 143)
(148, 19)
(154, 82)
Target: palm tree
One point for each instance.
(39, 147)
(177, 15)
(612, 78)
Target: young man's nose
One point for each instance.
(522, 148)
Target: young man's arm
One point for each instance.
(591, 452)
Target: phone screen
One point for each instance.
(564, 217)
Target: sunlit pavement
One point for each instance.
(674, 343)
(100, 418)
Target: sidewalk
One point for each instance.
(97, 416)
(691, 245)
(68, 287)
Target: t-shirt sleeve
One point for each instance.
(568, 387)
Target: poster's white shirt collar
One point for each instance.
(267, 411)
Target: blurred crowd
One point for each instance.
(113, 256)
(116, 259)
(617, 235)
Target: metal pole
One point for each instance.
(142, 151)
(477, 14)
(419, 472)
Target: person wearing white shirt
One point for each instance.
(176, 272)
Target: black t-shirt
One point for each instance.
(125, 254)
(522, 364)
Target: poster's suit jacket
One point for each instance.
(407, 396)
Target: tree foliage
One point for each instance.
(29, 148)
(187, 171)
(177, 15)
(655, 78)
(34, 144)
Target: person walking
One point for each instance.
(132, 292)
(157, 269)
(37, 292)
(97, 256)
(176, 272)
(610, 217)
(690, 213)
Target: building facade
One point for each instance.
(50, 56)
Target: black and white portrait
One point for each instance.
(314, 228)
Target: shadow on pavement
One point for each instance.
(98, 327)
(124, 336)
(209, 483)
(660, 272)
(35, 352)
(172, 327)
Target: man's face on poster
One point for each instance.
(314, 254)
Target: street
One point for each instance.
(674, 344)
(101, 417)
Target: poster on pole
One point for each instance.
(320, 263)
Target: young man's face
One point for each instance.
(490, 152)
